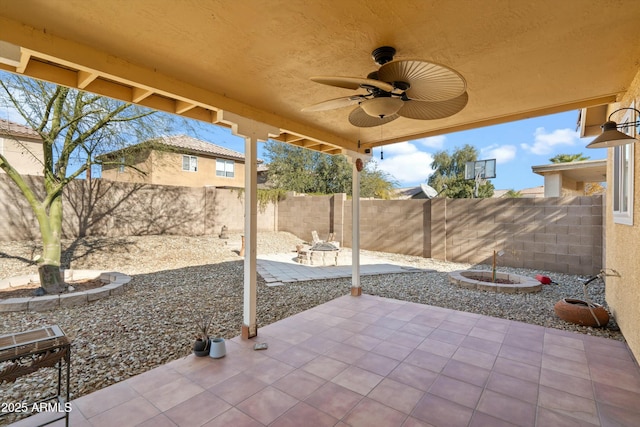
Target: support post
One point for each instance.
(252, 132)
(356, 289)
(250, 326)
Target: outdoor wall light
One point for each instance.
(611, 136)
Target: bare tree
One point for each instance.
(75, 127)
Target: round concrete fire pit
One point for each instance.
(505, 282)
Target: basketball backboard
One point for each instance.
(482, 169)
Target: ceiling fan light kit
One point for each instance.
(405, 88)
(382, 107)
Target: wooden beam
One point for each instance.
(182, 106)
(289, 137)
(85, 78)
(138, 94)
(334, 151)
(24, 61)
(46, 71)
(198, 113)
(308, 143)
(158, 102)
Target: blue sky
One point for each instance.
(516, 146)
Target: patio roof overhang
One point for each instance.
(584, 171)
(254, 58)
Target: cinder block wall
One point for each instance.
(396, 226)
(302, 214)
(562, 234)
(107, 208)
(558, 234)
(16, 217)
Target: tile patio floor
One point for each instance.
(370, 361)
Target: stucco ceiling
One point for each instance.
(254, 58)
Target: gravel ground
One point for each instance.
(153, 322)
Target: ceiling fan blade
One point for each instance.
(362, 120)
(333, 104)
(426, 110)
(352, 82)
(428, 81)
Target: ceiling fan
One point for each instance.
(404, 88)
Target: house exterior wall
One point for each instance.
(623, 249)
(25, 155)
(142, 161)
(165, 168)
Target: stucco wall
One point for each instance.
(25, 155)
(558, 234)
(114, 208)
(623, 243)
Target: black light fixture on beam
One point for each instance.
(611, 136)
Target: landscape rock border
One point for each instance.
(520, 284)
(114, 284)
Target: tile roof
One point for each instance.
(14, 129)
(193, 144)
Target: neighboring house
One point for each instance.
(409, 193)
(530, 193)
(22, 147)
(419, 193)
(175, 160)
(622, 216)
(569, 179)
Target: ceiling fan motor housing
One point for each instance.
(383, 54)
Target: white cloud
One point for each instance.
(545, 143)
(432, 142)
(502, 153)
(399, 149)
(406, 163)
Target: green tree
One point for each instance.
(513, 194)
(568, 158)
(448, 176)
(290, 168)
(375, 182)
(297, 169)
(75, 127)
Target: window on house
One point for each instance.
(225, 168)
(190, 163)
(623, 176)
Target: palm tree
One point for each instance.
(568, 158)
(512, 194)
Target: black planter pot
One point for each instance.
(201, 348)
